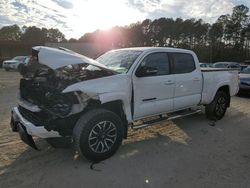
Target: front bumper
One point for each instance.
(27, 129)
(9, 66)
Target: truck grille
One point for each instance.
(36, 118)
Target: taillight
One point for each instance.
(30, 61)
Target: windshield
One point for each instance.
(19, 58)
(246, 70)
(202, 65)
(26, 61)
(119, 61)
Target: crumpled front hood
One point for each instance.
(57, 58)
(115, 83)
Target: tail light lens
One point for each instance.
(30, 61)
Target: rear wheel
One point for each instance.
(98, 134)
(19, 67)
(7, 69)
(218, 107)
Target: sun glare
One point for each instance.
(91, 15)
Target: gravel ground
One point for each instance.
(188, 152)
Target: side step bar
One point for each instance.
(162, 119)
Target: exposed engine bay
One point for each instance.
(42, 86)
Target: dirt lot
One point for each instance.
(188, 152)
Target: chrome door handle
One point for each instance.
(196, 79)
(169, 82)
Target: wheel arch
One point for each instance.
(213, 110)
(115, 106)
(208, 97)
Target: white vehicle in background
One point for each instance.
(14, 63)
(233, 65)
(66, 95)
(206, 65)
(245, 80)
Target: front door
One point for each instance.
(153, 94)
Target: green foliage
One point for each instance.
(228, 39)
(31, 34)
(37, 35)
(10, 33)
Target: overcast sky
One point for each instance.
(76, 17)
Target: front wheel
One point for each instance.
(98, 134)
(218, 107)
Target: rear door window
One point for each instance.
(182, 63)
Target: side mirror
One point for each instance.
(146, 71)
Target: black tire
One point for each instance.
(19, 67)
(6, 69)
(98, 134)
(218, 107)
(60, 142)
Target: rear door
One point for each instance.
(188, 80)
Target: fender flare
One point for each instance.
(123, 97)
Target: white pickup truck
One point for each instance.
(66, 95)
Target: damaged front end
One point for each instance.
(42, 101)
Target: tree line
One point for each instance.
(31, 34)
(228, 39)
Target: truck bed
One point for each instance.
(214, 78)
